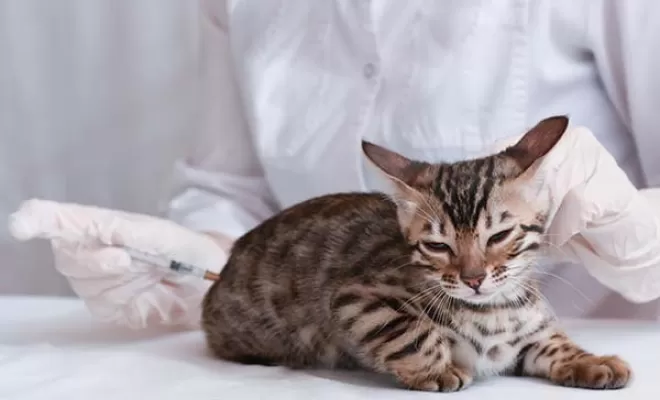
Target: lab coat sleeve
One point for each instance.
(621, 249)
(624, 37)
(220, 187)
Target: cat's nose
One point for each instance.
(474, 281)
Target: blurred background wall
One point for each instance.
(97, 100)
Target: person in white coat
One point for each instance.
(292, 86)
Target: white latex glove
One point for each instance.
(598, 218)
(114, 287)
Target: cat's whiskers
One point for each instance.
(527, 286)
(436, 292)
(544, 298)
(550, 244)
(425, 312)
(440, 298)
(406, 264)
(418, 323)
(447, 302)
(423, 294)
(535, 269)
(396, 259)
(530, 284)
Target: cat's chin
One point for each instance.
(501, 295)
(480, 298)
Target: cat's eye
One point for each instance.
(437, 247)
(499, 237)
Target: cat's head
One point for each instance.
(477, 223)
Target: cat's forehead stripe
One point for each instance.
(464, 189)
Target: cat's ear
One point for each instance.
(406, 175)
(394, 165)
(537, 142)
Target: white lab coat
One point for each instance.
(292, 86)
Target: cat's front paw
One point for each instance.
(593, 372)
(452, 379)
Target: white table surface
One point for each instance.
(50, 348)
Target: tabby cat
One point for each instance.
(431, 285)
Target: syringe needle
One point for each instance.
(172, 265)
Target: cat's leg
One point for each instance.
(390, 340)
(561, 361)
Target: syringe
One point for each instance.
(172, 265)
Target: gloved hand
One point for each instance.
(115, 288)
(598, 218)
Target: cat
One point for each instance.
(430, 285)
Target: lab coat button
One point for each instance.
(369, 70)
